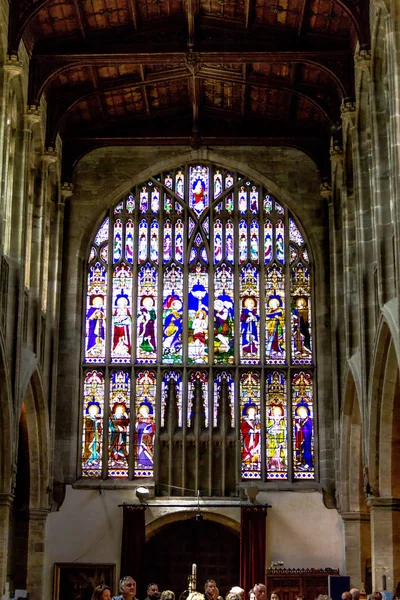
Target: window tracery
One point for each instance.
(198, 294)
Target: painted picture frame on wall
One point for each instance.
(77, 581)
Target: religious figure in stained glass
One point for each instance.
(119, 423)
(209, 266)
(93, 424)
(146, 324)
(198, 315)
(303, 453)
(118, 430)
(199, 189)
(96, 333)
(249, 329)
(250, 425)
(172, 315)
(275, 315)
(145, 425)
(122, 321)
(276, 426)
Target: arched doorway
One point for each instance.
(172, 549)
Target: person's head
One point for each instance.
(210, 587)
(196, 596)
(153, 591)
(355, 593)
(167, 595)
(232, 596)
(102, 592)
(127, 587)
(252, 595)
(237, 590)
(347, 596)
(260, 591)
(274, 596)
(376, 596)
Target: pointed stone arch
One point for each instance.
(32, 484)
(6, 460)
(352, 498)
(384, 455)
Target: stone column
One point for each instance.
(36, 545)
(6, 501)
(385, 541)
(357, 548)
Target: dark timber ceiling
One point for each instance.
(259, 72)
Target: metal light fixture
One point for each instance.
(142, 493)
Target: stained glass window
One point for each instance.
(198, 309)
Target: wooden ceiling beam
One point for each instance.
(133, 13)
(144, 91)
(79, 16)
(22, 13)
(303, 9)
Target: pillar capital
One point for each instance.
(355, 516)
(379, 503)
(12, 66)
(49, 156)
(32, 116)
(66, 190)
(38, 514)
(325, 190)
(363, 60)
(348, 111)
(6, 499)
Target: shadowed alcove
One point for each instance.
(173, 549)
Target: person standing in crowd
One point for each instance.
(102, 592)
(237, 590)
(153, 593)
(347, 596)
(260, 591)
(274, 596)
(167, 595)
(211, 591)
(355, 593)
(127, 588)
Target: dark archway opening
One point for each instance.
(173, 549)
(18, 557)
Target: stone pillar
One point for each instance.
(6, 501)
(36, 545)
(357, 548)
(385, 541)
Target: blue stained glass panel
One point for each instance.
(96, 304)
(229, 246)
(179, 241)
(224, 315)
(199, 189)
(129, 240)
(142, 251)
(102, 234)
(250, 315)
(303, 426)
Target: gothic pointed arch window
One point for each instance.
(198, 324)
